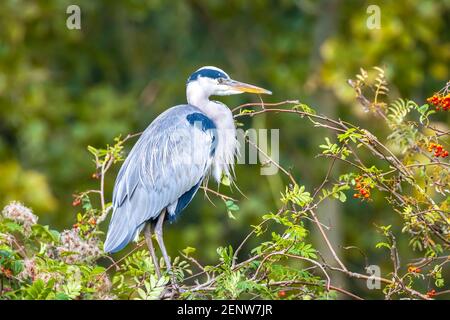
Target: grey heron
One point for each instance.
(181, 148)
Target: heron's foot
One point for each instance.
(176, 288)
(172, 291)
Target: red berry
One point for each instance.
(431, 293)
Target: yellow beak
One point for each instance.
(245, 87)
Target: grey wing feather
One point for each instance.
(169, 159)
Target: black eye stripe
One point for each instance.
(208, 73)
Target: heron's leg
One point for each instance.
(159, 238)
(148, 238)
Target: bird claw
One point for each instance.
(172, 291)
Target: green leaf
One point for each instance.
(188, 250)
(17, 267)
(45, 233)
(342, 197)
(225, 180)
(92, 150)
(97, 270)
(231, 206)
(13, 227)
(382, 245)
(62, 296)
(296, 195)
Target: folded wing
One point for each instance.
(163, 170)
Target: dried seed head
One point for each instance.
(20, 214)
(78, 249)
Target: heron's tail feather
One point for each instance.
(119, 231)
(129, 218)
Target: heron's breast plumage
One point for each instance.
(227, 144)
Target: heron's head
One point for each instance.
(214, 81)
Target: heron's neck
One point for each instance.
(197, 96)
(223, 119)
(216, 111)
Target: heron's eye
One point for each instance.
(220, 80)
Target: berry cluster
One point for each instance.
(438, 150)
(412, 269)
(440, 101)
(6, 272)
(76, 201)
(363, 189)
(431, 293)
(92, 222)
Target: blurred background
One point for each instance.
(62, 90)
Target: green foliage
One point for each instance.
(231, 206)
(296, 195)
(152, 288)
(334, 149)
